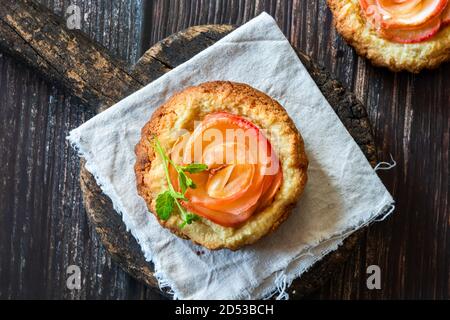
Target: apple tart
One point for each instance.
(408, 35)
(221, 164)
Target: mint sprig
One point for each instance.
(195, 168)
(167, 200)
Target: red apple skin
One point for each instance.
(222, 218)
(414, 36)
(239, 121)
(438, 10)
(416, 32)
(435, 13)
(233, 216)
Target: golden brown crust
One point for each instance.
(193, 104)
(351, 24)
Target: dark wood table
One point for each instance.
(43, 226)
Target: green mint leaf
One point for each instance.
(190, 183)
(164, 205)
(167, 200)
(195, 168)
(183, 182)
(189, 218)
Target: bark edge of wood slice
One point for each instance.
(171, 52)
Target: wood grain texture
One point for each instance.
(43, 226)
(33, 34)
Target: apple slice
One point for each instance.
(217, 152)
(397, 7)
(417, 16)
(271, 188)
(401, 14)
(423, 33)
(407, 21)
(244, 172)
(230, 181)
(222, 218)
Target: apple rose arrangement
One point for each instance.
(224, 171)
(407, 21)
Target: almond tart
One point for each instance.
(221, 164)
(402, 35)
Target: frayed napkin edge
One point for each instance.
(282, 281)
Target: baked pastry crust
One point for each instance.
(193, 104)
(352, 25)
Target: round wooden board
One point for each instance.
(171, 52)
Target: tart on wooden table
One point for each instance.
(403, 35)
(221, 164)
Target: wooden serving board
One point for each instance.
(165, 56)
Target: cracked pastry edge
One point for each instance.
(242, 100)
(352, 25)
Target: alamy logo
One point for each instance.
(374, 280)
(74, 17)
(74, 280)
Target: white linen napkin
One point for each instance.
(343, 193)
